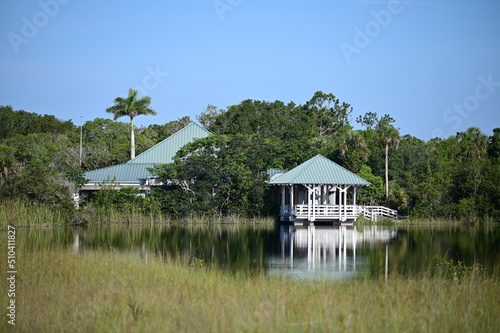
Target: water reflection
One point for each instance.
(237, 249)
(326, 251)
(333, 252)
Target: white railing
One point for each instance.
(342, 212)
(373, 213)
(318, 212)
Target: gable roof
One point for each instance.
(163, 152)
(135, 171)
(319, 170)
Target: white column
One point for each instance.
(324, 197)
(308, 202)
(291, 199)
(343, 203)
(315, 188)
(341, 210)
(282, 206)
(354, 196)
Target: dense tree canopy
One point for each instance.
(20, 122)
(455, 177)
(215, 176)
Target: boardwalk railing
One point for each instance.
(375, 213)
(335, 212)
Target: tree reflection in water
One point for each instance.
(333, 252)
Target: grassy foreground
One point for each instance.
(61, 291)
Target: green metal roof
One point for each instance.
(274, 173)
(319, 170)
(133, 173)
(163, 152)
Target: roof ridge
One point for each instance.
(305, 165)
(342, 167)
(170, 138)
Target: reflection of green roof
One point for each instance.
(319, 170)
(135, 171)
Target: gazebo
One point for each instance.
(321, 190)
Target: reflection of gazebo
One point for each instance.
(328, 251)
(318, 190)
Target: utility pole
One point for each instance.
(81, 139)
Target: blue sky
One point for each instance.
(434, 66)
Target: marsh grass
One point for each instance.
(22, 213)
(449, 221)
(227, 220)
(94, 291)
(111, 215)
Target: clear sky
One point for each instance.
(434, 66)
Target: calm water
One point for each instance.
(302, 252)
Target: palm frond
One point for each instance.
(131, 106)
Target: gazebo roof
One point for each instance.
(319, 170)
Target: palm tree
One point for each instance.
(353, 149)
(131, 106)
(387, 135)
(474, 144)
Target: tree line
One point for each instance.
(226, 173)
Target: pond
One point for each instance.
(302, 252)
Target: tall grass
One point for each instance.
(111, 215)
(229, 220)
(22, 213)
(27, 214)
(116, 292)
